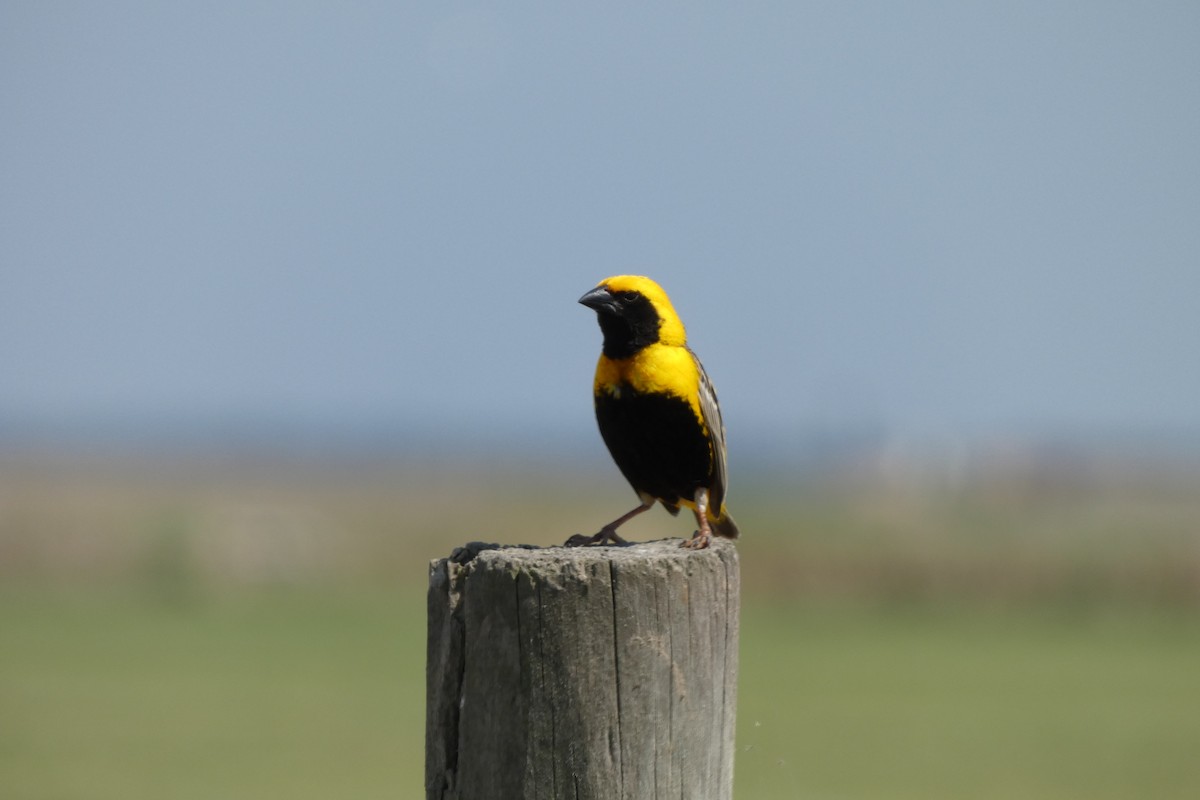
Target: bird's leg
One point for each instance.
(609, 532)
(701, 538)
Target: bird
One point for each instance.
(657, 411)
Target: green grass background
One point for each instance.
(234, 632)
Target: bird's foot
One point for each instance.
(605, 536)
(699, 541)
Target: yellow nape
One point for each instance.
(671, 331)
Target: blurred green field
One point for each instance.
(218, 632)
(110, 694)
(932, 702)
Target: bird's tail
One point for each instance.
(723, 525)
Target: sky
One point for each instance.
(930, 219)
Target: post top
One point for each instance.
(660, 551)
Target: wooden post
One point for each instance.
(584, 673)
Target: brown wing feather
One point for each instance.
(710, 411)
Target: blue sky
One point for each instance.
(936, 219)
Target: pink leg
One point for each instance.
(609, 532)
(701, 538)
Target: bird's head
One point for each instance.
(634, 312)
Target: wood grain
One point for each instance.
(606, 672)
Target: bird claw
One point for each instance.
(699, 541)
(600, 539)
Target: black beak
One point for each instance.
(601, 300)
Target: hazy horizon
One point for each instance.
(939, 223)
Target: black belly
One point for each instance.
(657, 442)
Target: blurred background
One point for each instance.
(287, 309)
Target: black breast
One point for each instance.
(657, 442)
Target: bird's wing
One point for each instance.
(710, 411)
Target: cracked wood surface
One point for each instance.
(606, 672)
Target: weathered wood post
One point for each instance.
(588, 673)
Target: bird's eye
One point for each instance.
(628, 297)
